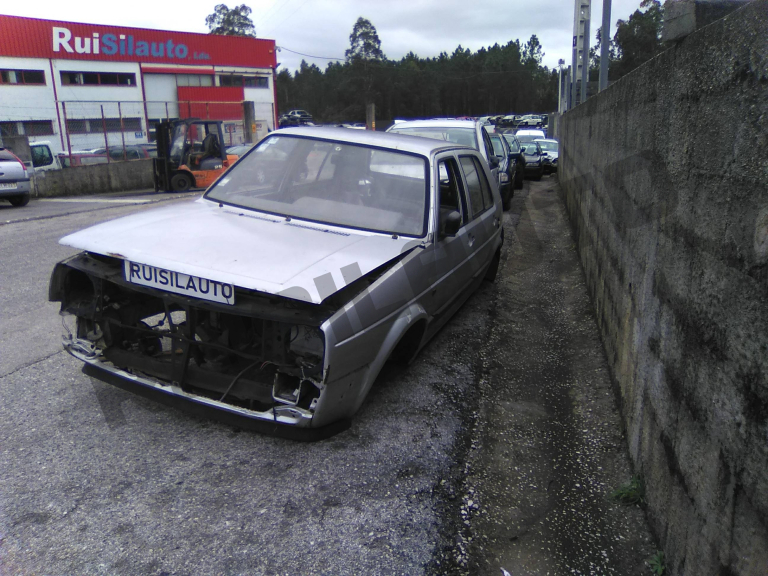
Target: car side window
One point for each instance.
(488, 144)
(484, 185)
(451, 197)
(41, 156)
(477, 185)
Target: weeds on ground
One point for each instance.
(656, 562)
(631, 493)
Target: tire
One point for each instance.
(19, 201)
(506, 198)
(519, 178)
(181, 182)
(539, 174)
(493, 269)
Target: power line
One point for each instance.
(308, 55)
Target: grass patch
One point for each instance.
(656, 562)
(631, 493)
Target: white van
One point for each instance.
(43, 159)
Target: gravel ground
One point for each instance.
(496, 448)
(547, 448)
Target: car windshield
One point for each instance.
(547, 146)
(336, 183)
(463, 136)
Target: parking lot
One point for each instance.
(477, 456)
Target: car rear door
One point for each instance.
(485, 210)
(452, 254)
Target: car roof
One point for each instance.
(404, 142)
(440, 122)
(546, 140)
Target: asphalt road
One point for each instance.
(452, 466)
(94, 480)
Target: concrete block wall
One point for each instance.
(665, 179)
(96, 179)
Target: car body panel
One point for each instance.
(551, 148)
(14, 178)
(203, 240)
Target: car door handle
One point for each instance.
(495, 222)
(471, 240)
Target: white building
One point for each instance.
(79, 84)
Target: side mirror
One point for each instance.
(451, 224)
(493, 162)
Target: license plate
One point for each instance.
(179, 283)
(7, 185)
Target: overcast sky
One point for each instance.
(322, 27)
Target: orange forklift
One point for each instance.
(190, 154)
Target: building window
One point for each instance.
(33, 77)
(77, 126)
(9, 129)
(38, 127)
(97, 125)
(256, 82)
(98, 79)
(194, 80)
(238, 80)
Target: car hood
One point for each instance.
(296, 259)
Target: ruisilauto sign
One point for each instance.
(123, 44)
(34, 38)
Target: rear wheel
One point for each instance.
(519, 177)
(19, 201)
(506, 198)
(181, 182)
(539, 174)
(493, 269)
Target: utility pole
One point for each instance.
(580, 67)
(605, 44)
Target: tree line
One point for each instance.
(493, 80)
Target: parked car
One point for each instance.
(294, 118)
(550, 148)
(276, 305)
(507, 169)
(14, 179)
(534, 160)
(529, 134)
(131, 152)
(517, 156)
(466, 132)
(529, 120)
(81, 159)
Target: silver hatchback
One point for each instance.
(14, 179)
(275, 299)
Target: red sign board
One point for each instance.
(33, 38)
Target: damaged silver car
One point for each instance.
(274, 300)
